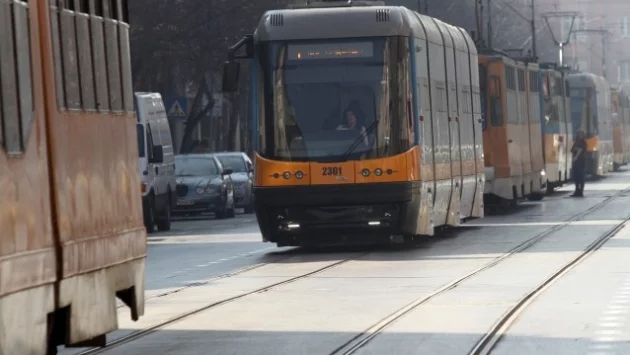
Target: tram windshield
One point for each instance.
(331, 101)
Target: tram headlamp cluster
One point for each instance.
(378, 172)
(287, 175)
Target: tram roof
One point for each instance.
(584, 79)
(357, 22)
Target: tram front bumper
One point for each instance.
(324, 213)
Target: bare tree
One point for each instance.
(176, 44)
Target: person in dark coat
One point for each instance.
(579, 163)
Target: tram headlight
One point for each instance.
(378, 172)
(286, 175)
(365, 172)
(299, 174)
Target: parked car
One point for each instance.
(243, 177)
(203, 185)
(156, 161)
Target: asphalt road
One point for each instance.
(344, 296)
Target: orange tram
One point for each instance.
(512, 138)
(71, 238)
(376, 123)
(367, 124)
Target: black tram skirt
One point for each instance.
(337, 214)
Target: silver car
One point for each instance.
(242, 176)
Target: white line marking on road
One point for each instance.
(234, 257)
(609, 328)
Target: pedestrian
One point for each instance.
(579, 163)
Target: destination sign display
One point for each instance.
(331, 50)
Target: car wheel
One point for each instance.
(164, 223)
(220, 213)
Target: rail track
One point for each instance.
(146, 331)
(490, 339)
(483, 346)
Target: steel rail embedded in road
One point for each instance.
(212, 279)
(146, 331)
(492, 338)
(362, 339)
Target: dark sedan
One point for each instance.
(203, 185)
(243, 177)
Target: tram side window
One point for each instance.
(16, 87)
(521, 80)
(92, 56)
(510, 78)
(533, 80)
(481, 96)
(496, 108)
(546, 89)
(534, 88)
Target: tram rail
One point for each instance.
(483, 346)
(146, 331)
(490, 339)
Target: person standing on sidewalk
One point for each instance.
(579, 163)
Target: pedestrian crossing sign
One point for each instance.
(176, 108)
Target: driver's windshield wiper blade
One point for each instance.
(358, 141)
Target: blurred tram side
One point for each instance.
(411, 82)
(620, 106)
(590, 112)
(511, 137)
(556, 126)
(72, 237)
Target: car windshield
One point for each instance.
(195, 166)
(234, 162)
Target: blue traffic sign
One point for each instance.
(176, 107)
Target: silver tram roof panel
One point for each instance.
(584, 79)
(346, 22)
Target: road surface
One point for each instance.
(516, 283)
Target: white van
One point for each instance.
(157, 161)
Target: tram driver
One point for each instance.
(352, 121)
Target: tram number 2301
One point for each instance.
(331, 171)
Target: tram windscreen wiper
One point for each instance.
(358, 141)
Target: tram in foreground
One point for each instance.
(366, 124)
(71, 233)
